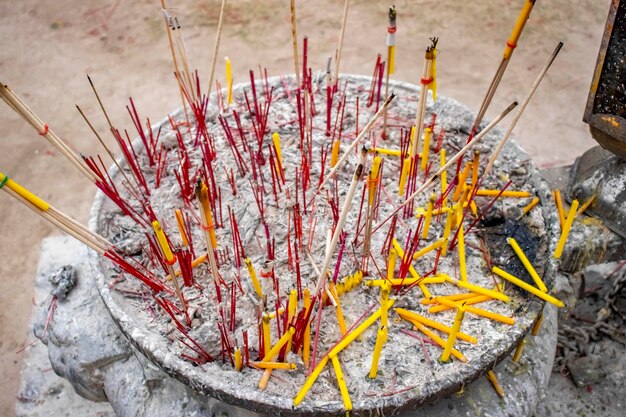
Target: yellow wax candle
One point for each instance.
(444, 174)
(461, 251)
(505, 193)
(279, 345)
(477, 311)
(475, 166)
(530, 205)
(306, 340)
(181, 227)
(458, 320)
(163, 244)
(403, 175)
(518, 350)
(343, 387)
(412, 316)
(477, 288)
(381, 339)
(238, 359)
(338, 309)
(491, 376)
(566, 228)
(274, 365)
(334, 156)
(527, 287)
(23, 192)
(429, 215)
(559, 207)
(468, 302)
(253, 277)
(537, 325)
(426, 148)
(435, 245)
(439, 341)
(531, 270)
(229, 82)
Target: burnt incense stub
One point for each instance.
(409, 373)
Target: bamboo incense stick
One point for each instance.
(508, 52)
(218, 37)
(521, 109)
(340, 44)
(391, 47)
(294, 40)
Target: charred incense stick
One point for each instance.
(521, 109)
(511, 43)
(426, 80)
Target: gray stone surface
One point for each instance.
(88, 349)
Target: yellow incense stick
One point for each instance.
(439, 341)
(433, 246)
(460, 185)
(518, 350)
(491, 376)
(306, 340)
(384, 151)
(537, 325)
(477, 288)
(475, 166)
(267, 338)
(194, 264)
(403, 281)
(291, 311)
(229, 82)
(23, 192)
(341, 381)
(530, 205)
(165, 246)
(206, 206)
(181, 227)
(566, 228)
(476, 299)
(274, 365)
(426, 148)
(253, 277)
(403, 175)
(334, 157)
(238, 359)
(461, 251)
(391, 263)
(586, 205)
(559, 207)
(446, 232)
(373, 177)
(451, 297)
(381, 339)
(276, 140)
(458, 320)
(279, 345)
(536, 292)
(531, 270)
(429, 215)
(412, 316)
(511, 43)
(477, 311)
(340, 319)
(444, 175)
(505, 193)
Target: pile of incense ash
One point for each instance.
(292, 224)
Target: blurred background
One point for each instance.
(49, 47)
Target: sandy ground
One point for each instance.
(48, 47)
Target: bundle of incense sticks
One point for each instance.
(230, 158)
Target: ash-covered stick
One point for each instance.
(521, 109)
(359, 138)
(511, 43)
(342, 219)
(452, 160)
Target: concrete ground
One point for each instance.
(48, 47)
